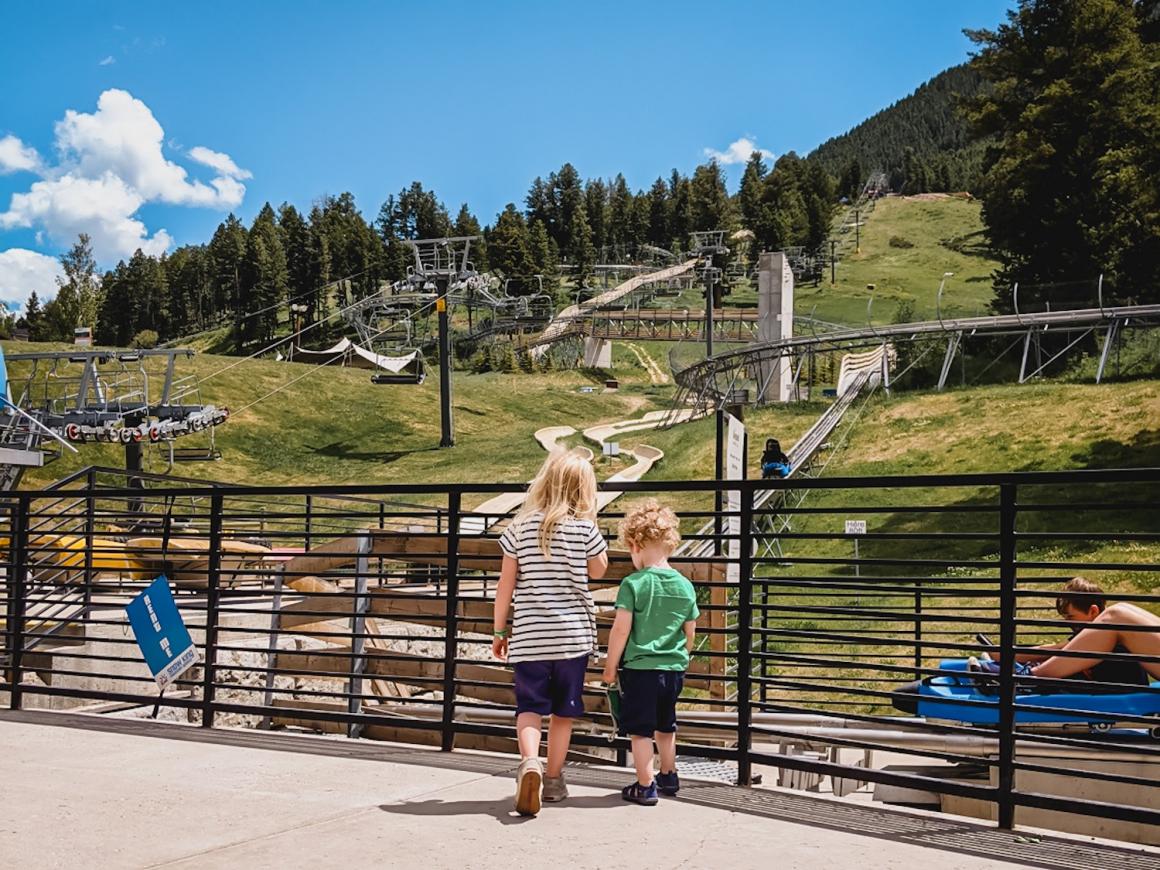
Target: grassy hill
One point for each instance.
(907, 243)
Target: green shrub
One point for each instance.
(145, 339)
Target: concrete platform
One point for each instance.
(111, 793)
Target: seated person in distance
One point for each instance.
(774, 463)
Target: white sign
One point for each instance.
(611, 448)
(734, 470)
(855, 527)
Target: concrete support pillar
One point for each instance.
(774, 322)
(597, 353)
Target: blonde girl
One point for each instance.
(550, 550)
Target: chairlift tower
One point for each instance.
(706, 244)
(444, 265)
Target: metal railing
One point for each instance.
(372, 617)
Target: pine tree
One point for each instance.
(264, 277)
(750, 191)
(467, 225)
(294, 233)
(583, 251)
(658, 214)
(709, 205)
(596, 210)
(33, 319)
(227, 251)
(680, 221)
(79, 296)
(509, 250)
(543, 255)
(1070, 189)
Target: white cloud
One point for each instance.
(112, 164)
(123, 137)
(23, 271)
(216, 160)
(15, 156)
(103, 207)
(738, 152)
(107, 60)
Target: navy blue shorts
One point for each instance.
(555, 686)
(648, 701)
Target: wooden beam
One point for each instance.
(475, 554)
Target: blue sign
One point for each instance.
(162, 636)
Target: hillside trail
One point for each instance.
(655, 373)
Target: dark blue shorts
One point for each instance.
(555, 686)
(648, 701)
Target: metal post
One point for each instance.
(857, 232)
(212, 606)
(918, 629)
(833, 261)
(358, 659)
(272, 645)
(90, 510)
(708, 312)
(1109, 337)
(1007, 553)
(308, 539)
(718, 475)
(448, 436)
(745, 641)
(952, 348)
(16, 601)
(133, 462)
(451, 623)
(1023, 364)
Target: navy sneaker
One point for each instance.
(668, 783)
(986, 666)
(645, 795)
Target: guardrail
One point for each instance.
(375, 621)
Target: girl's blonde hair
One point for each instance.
(650, 522)
(565, 486)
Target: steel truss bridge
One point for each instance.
(708, 384)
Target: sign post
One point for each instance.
(734, 470)
(161, 634)
(855, 527)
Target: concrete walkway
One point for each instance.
(110, 793)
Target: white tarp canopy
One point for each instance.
(348, 352)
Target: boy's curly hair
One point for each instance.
(649, 522)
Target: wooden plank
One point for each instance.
(718, 643)
(484, 554)
(329, 556)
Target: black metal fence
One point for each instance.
(366, 611)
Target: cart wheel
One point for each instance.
(72, 431)
(125, 435)
(1101, 727)
(1154, 732)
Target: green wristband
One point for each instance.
(500, 632)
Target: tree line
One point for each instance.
(245, 276)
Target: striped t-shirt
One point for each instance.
(555, 617)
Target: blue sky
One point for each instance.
(290, 100)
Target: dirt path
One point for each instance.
(656, 373)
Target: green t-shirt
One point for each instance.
(661, 601)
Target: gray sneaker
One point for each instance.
(555, 789)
